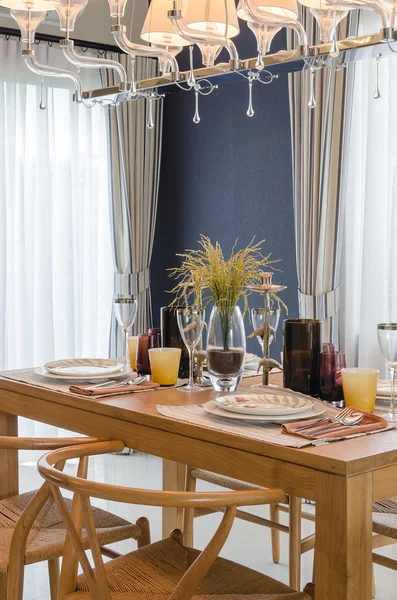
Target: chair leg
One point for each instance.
(53, 573)
(295, 514)
(275, 516)
(188, 517)
(373, 581)
(144, 538)
(3, 586)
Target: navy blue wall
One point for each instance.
(228, 177)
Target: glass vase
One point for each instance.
(226, 348)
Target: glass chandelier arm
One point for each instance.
(374, 4)
(91, 62)
(260, 17)
(196, 37)
(119, 34)
(46, 71)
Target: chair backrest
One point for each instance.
(39, 499)
(83, 489)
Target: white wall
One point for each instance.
(95, 22)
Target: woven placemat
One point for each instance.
(264, 432)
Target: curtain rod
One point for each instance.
(54, 39)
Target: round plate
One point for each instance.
(269, 404)
(83, 367)
(251, 357)
(123, 372)
(384, 388)
(212, 408)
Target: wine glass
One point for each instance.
(258, 318)
(190, 323)
(125, 309)
(387, 339)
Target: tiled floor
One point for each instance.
(248, 544)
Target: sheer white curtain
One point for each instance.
(56, 273)
(369, 271)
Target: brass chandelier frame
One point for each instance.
(350, 50)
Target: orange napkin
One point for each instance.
(369, 423)
(90, 390)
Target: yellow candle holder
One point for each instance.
(359, 388)
(164, 365)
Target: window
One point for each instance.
(55, 250)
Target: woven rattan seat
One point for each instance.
(47, 537)
(152, 573)
(384, 517)
(129, 596)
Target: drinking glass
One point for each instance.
(142, 355)
(359, 387)
(258, 318)
(132, 349)
(190, 323)
(331, 364)
(125, 309)
(164, 365)
(387, 339)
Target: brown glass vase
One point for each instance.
(301, 358)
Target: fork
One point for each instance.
(337, 419)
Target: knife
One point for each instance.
(315, 423)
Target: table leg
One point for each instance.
(174, 475)
(295, 521)
(343, 537)
(9, 480)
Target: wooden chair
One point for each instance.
(32, 529)
(291, 505)
(384, 523)
(166, 569)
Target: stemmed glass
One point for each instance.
(125, 309)
(258, 319)
(190, 323)
(387, 339)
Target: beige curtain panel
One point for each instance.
(319, 142)
(135, 156)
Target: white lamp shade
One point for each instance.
(34, 5)
(157, 28)
(210, 16)
(285, 9)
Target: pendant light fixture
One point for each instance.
(212, 16)
(158, 31)
(263, 33)
(29, 15)
(117, 10)
(386, 9)
(327, 16)
(281, 13)
(210, 24)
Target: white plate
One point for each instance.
(212, 408)
(267, 404)
(251, 358)
(72, 367)
(384, 388)
(126, 370)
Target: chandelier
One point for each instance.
(212, 25)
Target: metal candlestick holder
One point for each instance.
(267, 288)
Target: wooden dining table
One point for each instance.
(344, 478)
